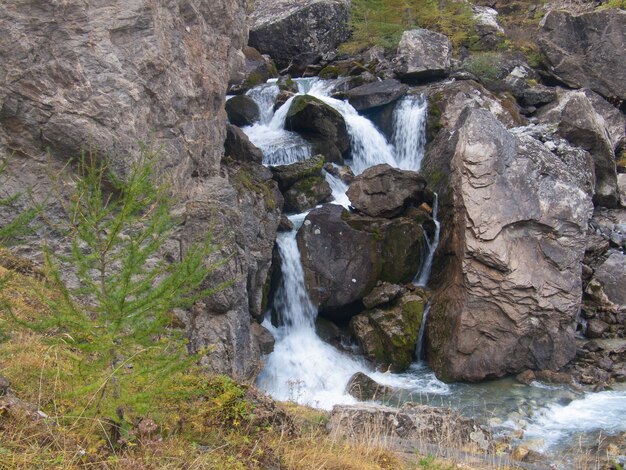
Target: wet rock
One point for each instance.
(388, 335)
(527, 377)
(384, 191)
(239, 147)
(295, 33)
(376, 94)
(363, 388)
(306, 194)
(413, 422)
(287, 175)
(520, 453)
(423, 54)
(344, 255)
(553, 377)
(344, 173)
(258, 69)
(382, 294)
(242, 111)
(596, 328)
(507, 294)
(285, 224)
(321, 125)
(577, 121)
(586, 50)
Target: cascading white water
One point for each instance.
(419, 349)
(424, 275)
(265, 97)
(279, 146)
(339, 189)
(409, 131)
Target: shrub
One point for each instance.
(484, 65)
(382, 22)
(118, 318)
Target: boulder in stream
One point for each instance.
(375, 94)
(514, 225)
(321, 125)
(242, 111)
(364, 388)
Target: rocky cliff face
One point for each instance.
(514, 229)
(109, 75)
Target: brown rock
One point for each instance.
(596, 328)
(383, 191)
(508, 293)
(382, 294)
(552, 377)
(363, 388)
(526, 378)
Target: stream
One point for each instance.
(305, 369)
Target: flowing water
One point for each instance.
(310, 371)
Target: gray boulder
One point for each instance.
(384, 191)
(321, 125)
(375, 94)
(288, 175)
(576, 120)
(242, 111)
(364, 388)
(345, 255)
(587, 50)
(295, 33)
(382, 294)
(423, 54)
(508, 290)
(490, 33)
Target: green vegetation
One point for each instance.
(381, 22)
(20, 225)
(484, 65)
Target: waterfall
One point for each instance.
(419, 349)
(424, 275)
(265, 97)
(409, 131)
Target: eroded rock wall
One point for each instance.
(109, 75)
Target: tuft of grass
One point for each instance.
(382, 22)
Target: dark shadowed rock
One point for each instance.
(264, 338)
(577, 121)
(239, 147)
(295, 33)
(384, 191)
(423, 54)
(588, 50)
(375, 94)
(388, 335)
(363, 388)
(344, 255)
(242, 111)
(341, 264)
(288, 175)
(508, 286)
(4, 386)
(321, 125)
(382, 294)
(306, 194)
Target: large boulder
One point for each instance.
(490, 33)
(507, 278)
(415, 423)
(345, 255)
(295, 33)
(321, 125)
(388, 335)
(288, 175)
(576, 119)
(384, 191)
(363, 388)
(375, 94)
(111, 75)
(587, 50)
(242, 111)
(307, 193)
(423, 54)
